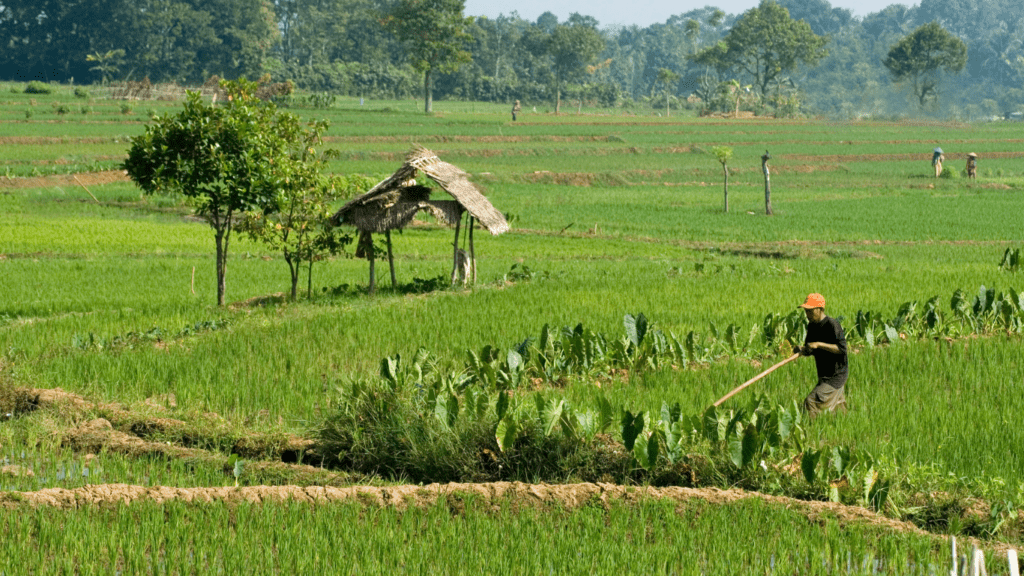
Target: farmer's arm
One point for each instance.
(832, 348)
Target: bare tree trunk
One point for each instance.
(391, 258)
(725, 169)
(558, 96)
(428, 96)
(222, 235)
(293, 269)
(767, 183)
(309, 280)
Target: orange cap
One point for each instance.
(813, 301)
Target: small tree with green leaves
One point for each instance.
(225, 159)
(295, 221)
(723, 154)
(667, 78)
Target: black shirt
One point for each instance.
(832, 368)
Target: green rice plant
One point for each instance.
(460, 534)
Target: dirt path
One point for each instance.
(86, 178)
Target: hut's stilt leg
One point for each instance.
(472, 253)
(373, 278)
(455, 251)
(391, 259)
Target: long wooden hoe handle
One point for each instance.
(756, 378)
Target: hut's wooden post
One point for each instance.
(391, 259)
(373, 278)
(472, 253)
(455, 251)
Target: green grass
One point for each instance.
(456, 537)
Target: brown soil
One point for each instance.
(86, 178)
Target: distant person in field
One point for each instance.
(937, 159)
(515, 110)
(826, 342)
(972, 166)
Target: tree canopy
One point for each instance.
(765, 43)
(573, 46)
(920, 55)
(435, 32)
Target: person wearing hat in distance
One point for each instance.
(826, 341)
(972, 166)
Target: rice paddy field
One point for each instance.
(110, 296)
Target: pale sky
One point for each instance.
(642, 12)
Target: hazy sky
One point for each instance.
(641, 12)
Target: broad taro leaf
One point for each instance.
(441, 411)
(735, 446)
(389, 368)
(641, 328)
(879, 494)
(710, 427)
(629, 322)
(515, 361)
(868, 484)
(891, 334)
(731, 333)
(545, 338)
(501, 405)
(632, 426)
(641, 454)
(751, 444)
(809, 465)
(506, 433)
(552, 415)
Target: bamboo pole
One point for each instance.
(472, 253)
(391, 259)
(756, 378)
(373, 278)
(455, 250)
(84, 186)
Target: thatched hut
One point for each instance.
(392, 204)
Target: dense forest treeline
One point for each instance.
(344, 47)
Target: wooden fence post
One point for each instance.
(1011, 559)
(767, 183)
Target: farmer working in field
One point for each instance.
(972, 166)
(515, 110)
(937, 159)
(827, 343)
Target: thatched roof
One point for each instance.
(393, 202)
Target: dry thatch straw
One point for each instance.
(393, 202)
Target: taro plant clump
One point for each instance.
(1011, 261)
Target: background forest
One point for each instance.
(345, 47)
